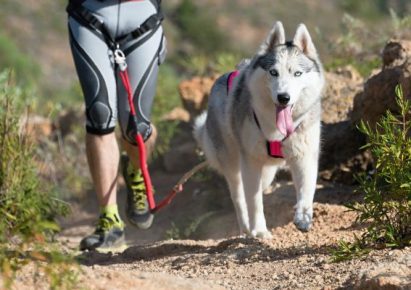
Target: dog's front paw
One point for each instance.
(245, 233)
(262, 234)
(303, 219)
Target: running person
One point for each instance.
(96, 29)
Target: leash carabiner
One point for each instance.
(120, 59)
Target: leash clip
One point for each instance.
(120, 59)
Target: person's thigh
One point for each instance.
(95, 70)
(143, 64)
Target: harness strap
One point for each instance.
(83, 15)
(274, 148)
(231, 78)
(151, 23)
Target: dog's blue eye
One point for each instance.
(298, 73)
(274, 73)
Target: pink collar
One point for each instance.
(274, 148)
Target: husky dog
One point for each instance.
(272, 109)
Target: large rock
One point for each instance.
(388, 276)
(396, 53)
(341, 87)
(177, 114)
(379, 91)
(194, 94)
(36, 127)
(341, 138)
(340, 154)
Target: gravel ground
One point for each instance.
(291, 260)
(220, 260)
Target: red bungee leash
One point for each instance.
(120, 59)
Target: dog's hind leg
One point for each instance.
(235, 185)
(251, 172)
(304, 167)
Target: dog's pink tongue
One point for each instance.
(285, 120)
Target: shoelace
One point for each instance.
(139, 190)
(106, 223)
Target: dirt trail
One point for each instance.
(218, 259)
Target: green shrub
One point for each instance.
(399, 23)
(27, 71)
(374, 8)
(203, 65)
(167, 98)
(350, 48)
(27, 208)
(386, 208)
(199, 27)
(364, 67)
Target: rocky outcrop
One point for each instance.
(341, 87)
(194, 94)
(388, 276)
(341, 139)
(182, 155)
(379, 91)
(340, 155)
(396, 53)
(37, 127)
(177, 114)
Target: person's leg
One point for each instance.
(144, 56)
(137, 207)
(96, 75)
(103, 157)
(132, 150)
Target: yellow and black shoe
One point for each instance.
(137, 209)
(109, 233)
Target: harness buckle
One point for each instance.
(120, 59)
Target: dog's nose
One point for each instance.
(283, 99)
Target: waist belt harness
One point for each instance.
(84, 16)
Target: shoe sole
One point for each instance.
(119, 245)
(113, 249)
(143, 225)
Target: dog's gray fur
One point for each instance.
(235, 145)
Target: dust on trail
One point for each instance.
(218, 259)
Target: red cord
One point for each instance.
(143, 155)
(145, 172)
(140, 143)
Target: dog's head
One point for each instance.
(283, 70)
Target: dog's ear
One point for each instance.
(275, 37)
(302, 40)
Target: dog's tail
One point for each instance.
(199, 128)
